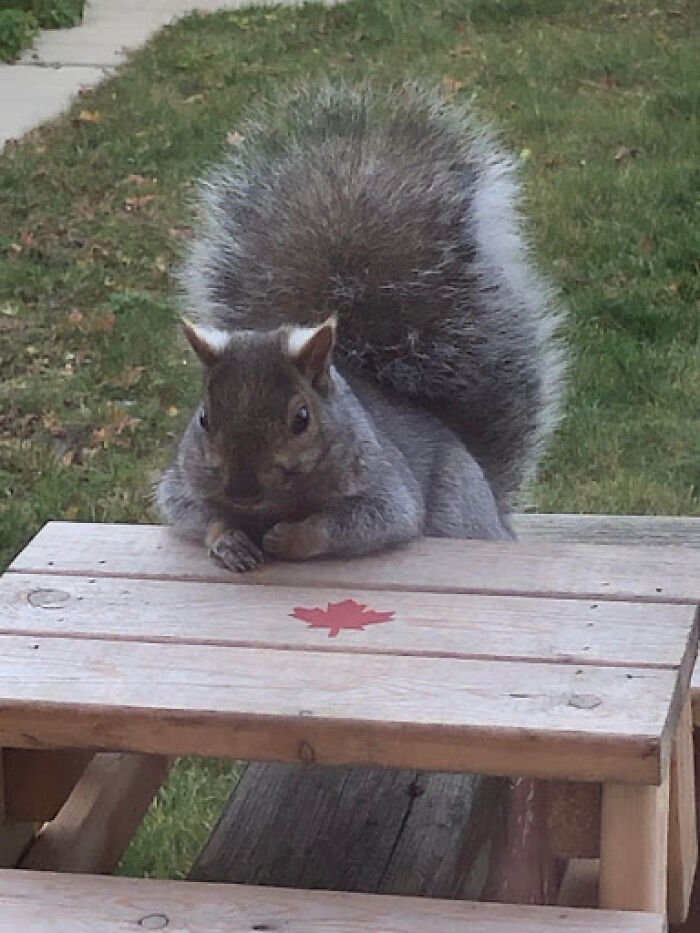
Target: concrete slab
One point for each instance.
(29, 96)
(31, 92)
(111, 27)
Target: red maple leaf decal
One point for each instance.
(346, 614)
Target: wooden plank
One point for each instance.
(579, 887)
(634, 847)
(354, 829)
(37, 783)
(668, 574)
(438, 625)
(15, 839)
(654, 530)
(78, 904)
(574, 820)
(443, 714)
(96, 824)
(682, 834)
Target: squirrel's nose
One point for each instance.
(242, 486)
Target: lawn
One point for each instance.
(601, 99)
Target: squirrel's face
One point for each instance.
(261, 427)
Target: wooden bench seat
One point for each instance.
(41, 902)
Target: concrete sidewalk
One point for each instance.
(63, 61)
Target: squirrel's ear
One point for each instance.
(311, 349)
(207, 342)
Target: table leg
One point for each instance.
(682, 830)
(634, 847)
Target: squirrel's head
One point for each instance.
(262, 423)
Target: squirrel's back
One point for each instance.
(398, 213)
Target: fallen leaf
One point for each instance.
(75, 317)
(104, 322)
(135, 204)
(173, 411)
(337, 616)
(135, 179)
(451, 85)
(27, 240)
(461, 50)
(195, 99)
(624, 153)
(234, 139)
(89, 116)
(181, 233)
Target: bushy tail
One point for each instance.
(399, 213)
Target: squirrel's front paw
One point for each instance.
(296, 540)
(235, 551)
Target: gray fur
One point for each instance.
(398, 214)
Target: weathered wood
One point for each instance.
(634, 847)
(79, 904)
(654, 530)
(574, 819)
(96, 823)
(570, 631)
(579, 887)
(353, 829)
(37, 783)
(522, 867)
(15, 839)
(682, 833)
(442, 714)
(541, 568)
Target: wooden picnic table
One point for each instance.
(555, 661)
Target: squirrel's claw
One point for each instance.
(233, 550)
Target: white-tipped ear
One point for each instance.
(208, 343)
(311, 349)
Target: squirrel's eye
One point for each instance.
(203, 420)
(300, 421)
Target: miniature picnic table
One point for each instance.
(548, 660)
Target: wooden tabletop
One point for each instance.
(539, 659)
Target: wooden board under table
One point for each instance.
(52, 903)
(549, 660)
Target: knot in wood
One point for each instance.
(306, 752)
(584, 701)
(154, 922)
(48, 599)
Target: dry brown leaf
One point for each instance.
(461, 50)
(451, 85)
(27, 240)
(104, 322)
(137, 203)
(624, 153)
(75, 317)
(135, 179)
(89, 116)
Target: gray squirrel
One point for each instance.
(380, 356)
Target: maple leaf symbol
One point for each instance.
(345, 614)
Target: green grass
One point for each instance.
(602, 100)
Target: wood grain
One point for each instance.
(667, 574)
(437, 625)
(442, 714)
(634, 847)
(37, 783)
(647, 530)
(96, 823)
(579, 887)
(78, 904)
(354, 829)
(682, 833)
